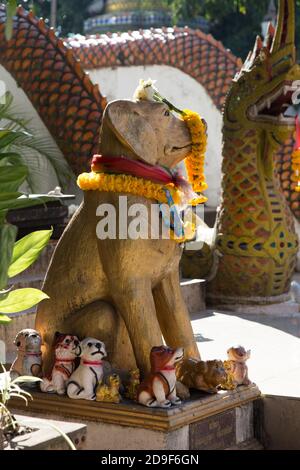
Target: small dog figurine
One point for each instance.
(206, 376)
(159, 388)
(133, 385)
(109, 393)
(83, 382)
(236, 366)
(29, 358)
(65, 347)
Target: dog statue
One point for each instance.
(83, 382)
(65, 347)
(125, 291)
(29, 358)
(236, 366)
(159, 388)
(206, 376)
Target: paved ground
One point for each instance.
(275, 355)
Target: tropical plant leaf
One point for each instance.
(11, 8)
(4, 320)
(8, 235)
(12, 158)
(11, 178)
(21, 299)
(9, 196)
(27, 250)
(8, 136)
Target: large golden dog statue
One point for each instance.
(124, 292)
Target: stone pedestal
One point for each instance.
(219, 421)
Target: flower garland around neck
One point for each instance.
(113, 181)
(296, 158)
(133, 185)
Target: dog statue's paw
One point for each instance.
(175, 401)
(165, 404)
(60, 391)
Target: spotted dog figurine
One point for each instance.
(83, 382)
(65, 347)
(29, 358)
(159, 388)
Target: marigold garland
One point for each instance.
(132, 185)
(194, 162)
(296, 157)
(296, 169)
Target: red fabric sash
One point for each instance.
(31, 353)
(123, 165)
(91, 363)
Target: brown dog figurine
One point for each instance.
(125, 291)
(236, 365)
(159, 388)
(206, 376)
(29, 358)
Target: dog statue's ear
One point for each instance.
(133, 130)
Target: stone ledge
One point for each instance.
(199, 407)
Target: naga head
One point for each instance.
(265, 87)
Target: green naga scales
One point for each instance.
(255, 229)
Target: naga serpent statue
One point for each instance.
(255, 235)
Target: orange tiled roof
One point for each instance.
(194, 52)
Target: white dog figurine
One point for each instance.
(65, 347)
(29, 358)
(83, 382)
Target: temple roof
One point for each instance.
(127, 5)
(124, 15)
(192, 51)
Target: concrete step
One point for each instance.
(278, 422)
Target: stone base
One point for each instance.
(219, 421)
(237, 302)
(282, 309)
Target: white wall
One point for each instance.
(184, 92)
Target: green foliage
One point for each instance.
(10, 388)
(234, 22)
(37, 153)
(21, 299)
(15, 257)
(27, 250)
(11, 6)
(70, 13)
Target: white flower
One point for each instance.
(146, 91)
